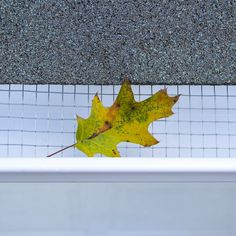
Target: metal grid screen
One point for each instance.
(36, 120)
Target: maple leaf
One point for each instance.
(125, 121)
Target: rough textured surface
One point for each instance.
(99, 42)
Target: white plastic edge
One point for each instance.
(117, 170)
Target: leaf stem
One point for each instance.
(61, 150)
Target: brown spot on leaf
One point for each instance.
(114, 152)
(108, 124)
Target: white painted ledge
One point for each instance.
(117, 170)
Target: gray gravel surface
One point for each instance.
(100, 42)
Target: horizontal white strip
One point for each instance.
(117, 170)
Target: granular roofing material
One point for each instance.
(101, 42)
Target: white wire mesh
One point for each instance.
(36, 120)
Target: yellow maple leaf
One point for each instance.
(125, 121)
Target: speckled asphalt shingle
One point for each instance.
(99, 42)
